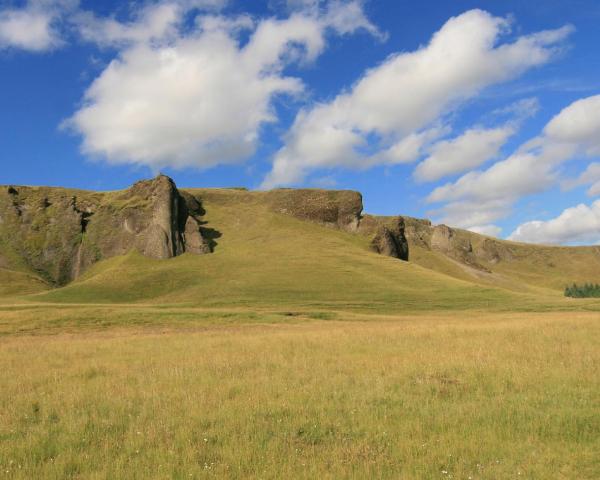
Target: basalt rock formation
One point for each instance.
(59, 233)
(387, 235)
(463, 246)
(333, 208)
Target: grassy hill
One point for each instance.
(269, 252)
(266, 259)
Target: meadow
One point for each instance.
(244, 394)
(293, 351)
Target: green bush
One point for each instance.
(583, 291)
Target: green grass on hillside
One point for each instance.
(263, 259)
(14, 283)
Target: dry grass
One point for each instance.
(454, 396)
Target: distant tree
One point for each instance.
(587, 290)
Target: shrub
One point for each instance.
(583, 291)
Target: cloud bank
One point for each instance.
(197, 97)
(579, 224)
(407, 94)
(534, 167)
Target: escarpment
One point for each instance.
(333, 208)
(59, 233)
(458, 245)
(54, 235)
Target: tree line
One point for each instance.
(583, 291)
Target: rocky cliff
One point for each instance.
(333, 208)
(58, 233)
(387, 235)
(468, 248)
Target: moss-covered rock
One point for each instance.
(58, 233)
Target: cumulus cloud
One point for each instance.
(34, 27)
(470, 214)
(579, 224)
(471, 149)
(531, 169)
(347, 17)
(407, 93)
(179, 97)
(579, 124)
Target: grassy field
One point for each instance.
(467, 395)
(293, 351)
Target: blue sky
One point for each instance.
(481, 115)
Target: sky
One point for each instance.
(480, 115)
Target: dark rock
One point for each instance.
(387, 235)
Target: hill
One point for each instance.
(154, 243)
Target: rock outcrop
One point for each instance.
(465, 247)
(333, 208)
(59, 233)
(387, 235)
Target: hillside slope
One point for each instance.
(313, 249)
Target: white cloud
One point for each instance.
(153, 22)
(594, 189)
(407, 93)
(33, 27)
(519, 174)
(175, 97)
(470, 214)
(521, 109)
(473, 148)
(579, 224)
(533, 168)
(590, 176)
(348, 17)
(578, 123)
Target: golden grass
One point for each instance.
(433, 396)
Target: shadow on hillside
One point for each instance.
(192, 206)
(210, 234)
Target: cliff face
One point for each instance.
(465, 247)
(387, 235)
(59, 233)
(334, 208)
